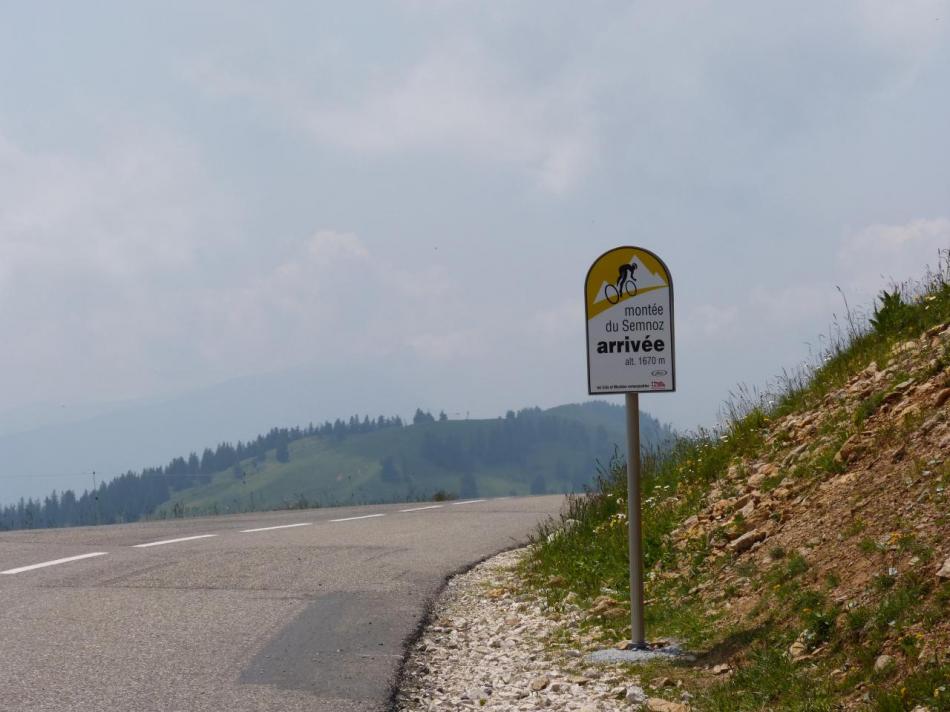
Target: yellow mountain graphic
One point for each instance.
(602, 279)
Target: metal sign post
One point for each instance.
(628, 296)
(638, 637)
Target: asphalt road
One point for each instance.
(310, 617)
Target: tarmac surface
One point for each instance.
(299, 610)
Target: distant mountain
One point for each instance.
(361, 460)
(42, 450)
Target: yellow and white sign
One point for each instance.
(629, 301)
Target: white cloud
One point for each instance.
(328, 245)
(93, 251)
(707, 321)
(457, 99)
(866, 261)
(451, 346)
(878, 255)
(124, 276)
(556, 320)
(132, 212)
(910, 27)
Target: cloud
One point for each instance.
(866, 261)
(91, 250)
(328, 245)
(877, 255)
(126, 275)
(709, 321)
(457, 100)
(129, 215)
(641, 81)
(910, 28)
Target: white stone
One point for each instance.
(472, 658)
(635, 695)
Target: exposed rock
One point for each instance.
(944, 571)
(927, 656)
(797, 650)
(904, 386)
(635, 695)
(851, 449)
(756, 480)
(745, 542)
(602, 604)
(748, 509)
(539, 683)
(657, 704)
(883, 662)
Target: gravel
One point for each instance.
(489, 647)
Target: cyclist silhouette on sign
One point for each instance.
(626, 283)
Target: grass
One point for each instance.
(768, 680)
(591, 557)
(868, 407)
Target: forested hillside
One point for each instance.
(355, 461)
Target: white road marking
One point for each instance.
(173, 541)
(419, 509)
(54, 562)
(365, 516)
(468, 501)
(279, 526)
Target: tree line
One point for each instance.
(518, 442)
(130, 496)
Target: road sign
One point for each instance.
(628, 296)
(629, 301)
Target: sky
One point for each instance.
(410, 192)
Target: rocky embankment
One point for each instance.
(492, 646)
(844, 502)
(855, 492)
